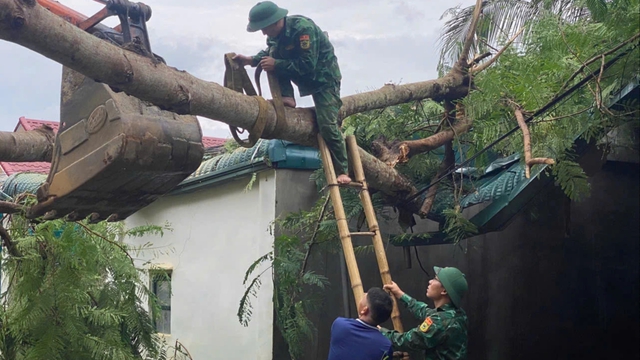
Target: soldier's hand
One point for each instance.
(268, 63)
(243, 60)
(394, 289)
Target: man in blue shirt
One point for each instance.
(360, 339)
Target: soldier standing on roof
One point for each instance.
(299, 51)
(443, 332)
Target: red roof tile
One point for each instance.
(209, 142)
(32, 124)
(11, 168)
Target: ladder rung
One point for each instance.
(353, 184)
(367, 233)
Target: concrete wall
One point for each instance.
(217, 233)
(535, 291)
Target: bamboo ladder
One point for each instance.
(360, 183)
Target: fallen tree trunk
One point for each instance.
(34, 145)
(28, 24)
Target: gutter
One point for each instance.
(219, 177)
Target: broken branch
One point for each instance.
(529, 162)
(447, 163)
(470, 35)
(403, 151)
(481, 67)
(479, 58)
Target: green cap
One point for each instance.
(264, 14)
(453, 281)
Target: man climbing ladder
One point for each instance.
(299, 51)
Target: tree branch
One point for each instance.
(596, 58)
(8, 243)
(479, 58)
(565, 116)
(464, 55)
(446, 165)
(403, 151)
(481, 67)
(529, 162)
(10, 208)
(313, 237)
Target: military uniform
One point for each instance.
(442, 334)
(305, 57)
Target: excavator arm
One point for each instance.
(113, 154)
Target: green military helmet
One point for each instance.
(264, 14)
(454, 281)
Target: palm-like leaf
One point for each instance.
(500, 20)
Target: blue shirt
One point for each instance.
(353, 339)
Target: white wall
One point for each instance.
(217, 233)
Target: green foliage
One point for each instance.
(534, 73)
(252, 181)
(74, 293)
(297, 291)
(245, 310)
(457, 227)
(231, 145)
(572, 179)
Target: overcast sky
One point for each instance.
(375, 42)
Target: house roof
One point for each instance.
(32, 124)
(242, 161)
(210, 142)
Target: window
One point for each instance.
(161, 288)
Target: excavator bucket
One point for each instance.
(114, 154)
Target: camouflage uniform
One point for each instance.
(305, 56)
(442, 335)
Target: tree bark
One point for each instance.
(528, 160)
(34, 145)
(447, 163)
(10, 208)
(401, 152)
(28, 24)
